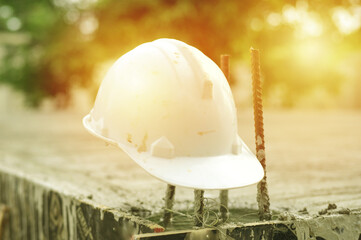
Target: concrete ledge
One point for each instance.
(38, 212)
(250, 232)
(42, 212)
(58, 182)
(330, 227)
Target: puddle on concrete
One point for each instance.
(184, 221)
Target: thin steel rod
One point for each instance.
(223, 198)
(169, 202)
(198, 207)
(223, 195)
(262, 191)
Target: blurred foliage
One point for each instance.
(310, 50)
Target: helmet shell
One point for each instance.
(171, 109)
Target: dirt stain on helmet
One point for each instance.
(143, 146)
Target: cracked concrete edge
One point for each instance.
(48, 213)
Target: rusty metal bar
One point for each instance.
(198, 207)
(223, 195)
(262, 191)
(169, 202)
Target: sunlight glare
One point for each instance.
(290, 14)
(308, 52)
(256, 24)
(88, 25)
(346, 22)
(274, 19)
(311, 25)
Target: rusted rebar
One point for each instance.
(225, 66)
(198, 207)
(169, 202)
(262, 191)
(223, 195)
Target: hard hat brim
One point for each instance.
(209, 173)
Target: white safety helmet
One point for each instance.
(170, 108)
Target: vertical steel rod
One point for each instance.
(198, 207)
(169, 202)
(223, 195)
(262, 191)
